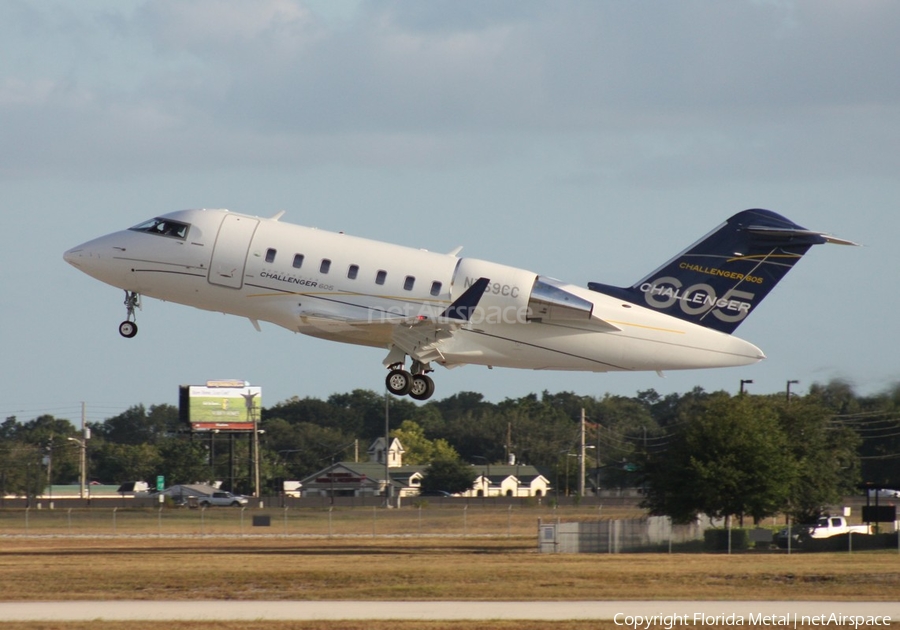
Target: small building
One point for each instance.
(508, 481)
(367, 479)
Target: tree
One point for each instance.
(303, 448)
(447, 476)
(182, 461)
(118, 463)
(729, 457)
(137, 425)
(825, 454)
(418, 448)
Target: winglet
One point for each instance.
(463, 307)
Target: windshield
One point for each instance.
(163, 227)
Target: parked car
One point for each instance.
(824, 527)
(781, 538)
(222, 498)
(828, 526)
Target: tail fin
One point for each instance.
(722, 278)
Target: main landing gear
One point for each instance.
(128, 328)
(401, 383)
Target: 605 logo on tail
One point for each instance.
(698, 299)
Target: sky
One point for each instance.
(583, 140)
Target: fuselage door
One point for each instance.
(230, 252)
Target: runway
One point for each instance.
(626, 613)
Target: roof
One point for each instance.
(372, 471)
(502, 471)
(190, 489)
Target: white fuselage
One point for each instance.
(360, 291)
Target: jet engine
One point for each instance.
(516, 296)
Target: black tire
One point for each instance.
(204, 504)
(128, 329)
(422, 387)
(398, 382)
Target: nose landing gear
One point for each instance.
(128, 328)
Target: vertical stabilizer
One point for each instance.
(718, 281)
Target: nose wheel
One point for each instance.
(128, 328)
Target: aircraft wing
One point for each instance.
(420, 336)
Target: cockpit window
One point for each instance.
(163, 227)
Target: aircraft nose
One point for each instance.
(97, 258)
(82, 256)
(72, 256)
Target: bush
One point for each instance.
(717, 539)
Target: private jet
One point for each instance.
(431, 308)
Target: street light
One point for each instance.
(748, 381)
(788, 389)
(82, 445)
(581, 470)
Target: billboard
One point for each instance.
(221, 405)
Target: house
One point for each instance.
(367, 479)
(508, 481)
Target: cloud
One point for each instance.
(666, 90)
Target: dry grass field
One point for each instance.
(369, 554)
(428, 568)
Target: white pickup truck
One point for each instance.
(828, 526)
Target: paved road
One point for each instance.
(795, 614)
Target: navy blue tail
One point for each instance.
(721, 279)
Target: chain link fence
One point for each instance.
(653, 533)
(496, 521)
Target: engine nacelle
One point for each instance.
(516, 296)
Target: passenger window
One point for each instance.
(298, 261)
(381, 276)
(435, 288)
(353, 271)
(270, 255)
(325, 266)
(408, 283)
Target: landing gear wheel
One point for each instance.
(128, 329)
(399, 382)
(422, 387)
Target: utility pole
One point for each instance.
(253, 415)
(581, 458)
(85, 436)
(508, 442)
(387, 446)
